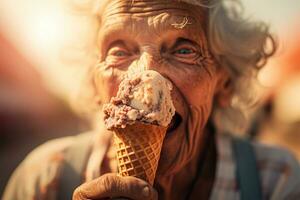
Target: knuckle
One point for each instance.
(109, 183)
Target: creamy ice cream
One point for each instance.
(145, 97)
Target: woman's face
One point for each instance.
(167, 37)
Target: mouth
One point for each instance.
(175, 122)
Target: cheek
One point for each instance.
(106, 80)
(199, 91)
(195, 84)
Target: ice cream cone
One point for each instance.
(138, 148)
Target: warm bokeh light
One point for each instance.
(46, 30)
(287, 101)
(42, 30)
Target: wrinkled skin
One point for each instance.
(143, 34)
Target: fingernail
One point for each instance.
(146, 191)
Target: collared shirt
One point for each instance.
(279, 172)
(38, 175)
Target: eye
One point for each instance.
(185, 52)
(118, 52)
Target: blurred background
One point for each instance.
(40, 71)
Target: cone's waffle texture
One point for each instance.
(138, 149)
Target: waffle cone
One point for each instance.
(138, 148)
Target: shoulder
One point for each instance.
(37, 175)
(279, 170)
(50, 152)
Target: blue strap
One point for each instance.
(246, 170)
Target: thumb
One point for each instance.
(113, 186)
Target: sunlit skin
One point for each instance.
(142, 35)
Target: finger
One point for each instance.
(111, 185)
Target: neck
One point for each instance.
(195, 179)
(177, 186)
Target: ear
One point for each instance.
(224, 88)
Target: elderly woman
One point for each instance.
(211, 56)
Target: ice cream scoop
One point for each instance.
(144, 97)
(139, 116)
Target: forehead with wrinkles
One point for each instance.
(111, 9)
(162, 17)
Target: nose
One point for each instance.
(149, 59)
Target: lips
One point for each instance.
(175, 122)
